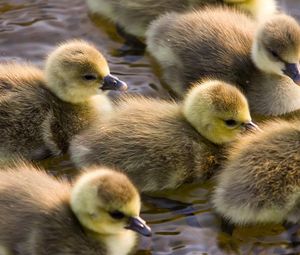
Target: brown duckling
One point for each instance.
(162, 144)
(136, 15)
(42, 215)
(40, 112)
(262, 59)
(261, 179)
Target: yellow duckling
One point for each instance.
(136, 15)
(161, 144)
(40, 112)
(260, 181)
(42, 215)
(262, 59)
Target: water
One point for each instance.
(182, 221)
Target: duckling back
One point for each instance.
(13, 75)
(260, 181)
(214, 42)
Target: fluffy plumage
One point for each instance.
(161, 144)
(262, 59)
(42, 215)
(40, 112)
(260, 181)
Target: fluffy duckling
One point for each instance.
(135, 15)
(161, 144)
(260, 182)
(225, 44)
(40, 112)
(93, 216)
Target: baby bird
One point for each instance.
(260, 182)
(40, 112)
(225, 44)
(161, 144)
(135, 15)
(42, 215)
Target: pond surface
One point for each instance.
(183, 222)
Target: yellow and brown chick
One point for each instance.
(94, 215)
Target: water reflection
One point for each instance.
(182, 221)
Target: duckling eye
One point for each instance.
(274, 54)
(117, 215)
(231, 123)
(90, 77)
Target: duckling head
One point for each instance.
(106, 202)
(276, 48)
(76, 70)
(218, 111)
(259, 9)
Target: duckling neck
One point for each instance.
(117, 244)
(274, 95)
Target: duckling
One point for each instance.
(40, 112)
(134, 16)
(260, 181)
(95, 215)
(161, 144)
(225, 44)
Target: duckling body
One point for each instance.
(135, 16)
(40, 112)
(226, 44)
(42, 207)
(160, 144)
(260, 181)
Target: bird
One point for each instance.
(262, 59)
(134, 16)
(161, 144)
(41, 110)
(259, 181)
(96, 214)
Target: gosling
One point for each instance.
(134, 16)
(42, 215)
(226, 45)
(40, 112)
(161, 144)
(260, 182)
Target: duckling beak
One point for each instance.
(111, 82)
(138, 225)
(250, 126)
(293, 71)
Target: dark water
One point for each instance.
(182, 222)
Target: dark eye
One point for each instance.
(231, 123)
(274, 54)
(89, 77)
(117, 215)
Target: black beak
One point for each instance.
(111, 82)
(138, 225)
(250, 126)
(293, 71)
